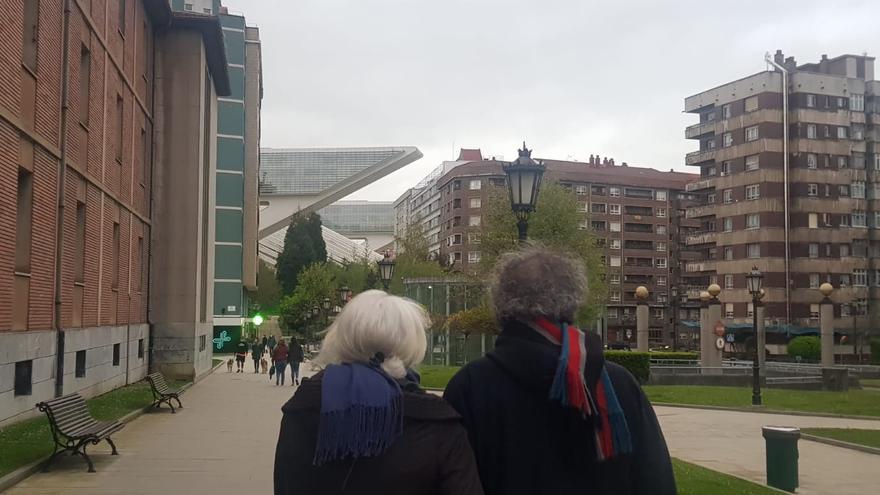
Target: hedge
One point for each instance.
(638, 363)
(681, 356)
(807, 347)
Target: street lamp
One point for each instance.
(753, 280)
(523, 181)
(386, 269)
(344, 294)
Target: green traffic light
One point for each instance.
(258, 320)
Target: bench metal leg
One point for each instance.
(112, 446)
(179, 405)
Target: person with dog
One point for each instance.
(280, 359)
(363, 424)
(256, 354)
(241, 351)
(295, 357)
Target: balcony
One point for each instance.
(699, 156)
(700, 238)
(699, 211)
(696, 186)
(699, 129)
(700, 266)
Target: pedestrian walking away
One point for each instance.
(271, 342)
(241, 351)
(363, 425)
(265, 343)
(256, 354)
(544, 411)
(280, 359)
(295, 357)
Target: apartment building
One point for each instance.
(810, 219)
(633, 211)
(105, 175)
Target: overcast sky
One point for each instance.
(571, 77)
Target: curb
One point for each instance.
(761, 410)
(22, 473)
(841, 443)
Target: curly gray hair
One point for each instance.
(537, 282)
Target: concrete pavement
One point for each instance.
(731, 442)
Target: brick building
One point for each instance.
(635, 212)
(816, 220)
(95, 143)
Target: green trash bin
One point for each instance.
(782, 456)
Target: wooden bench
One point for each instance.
(73, 427)
(161, 392)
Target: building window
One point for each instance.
(726, 139)
(728, 224)
(115, 272)
(611, 312)
(584, 224)
(120, 122)
(857, 102)
(23, 378)
(203, 342)
(725, 168)
(859, 219)
(753, 220)
(811, 101)
(597, 207)
(474, 221)
(813, 221)
(661, 230)
(814, 280)
(752, 163)
(860, 277)
(615, 244)
(751, 103)
(727, 196)
(841, 133)
(753, 250)
(206, 11)
(85, 70)
(122, 16)
(812, 189)
(660, 195)
(858, 159)
(857, 190)
(116, 354)
(812, 162)
(476, 202)
(614, 296)
(728, 310)
(844, 280)
(474, 238)
(845, 220)
(845, 310)
(140, 348)
(725, 111)
(661, 280)
(751, 133)
(842, 162)
(753, 191)
(660, 247)
(475, 185)
(614, 209)
(474, 257)
(23, 221)
(614, 261)
(728, 281)
(811, 131)
(814, 250)
(614, 192)
(843, 190)
(580, 190)
(29, 34)
(80, 370)
(728, 253)
(844, 250)
(614, 279)
(750, 310)
(614, 226)
(661, 263)
(711, 172)
(710, 199)
(661, 212)
(658, 313)
(814, 311)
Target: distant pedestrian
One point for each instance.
(256, 354)
(544, 411)
(279, 357)
(271, 346)
(241, 351)
(295, 356)
(265, 343)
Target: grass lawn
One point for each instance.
(854, 402)
(436, 376)
(869, 382)
(868, 438)
(695, 480)
(29, 441)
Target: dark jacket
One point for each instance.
(279, 355)
(295, 353)
(431, 457)
(527, 444)
(256, 350)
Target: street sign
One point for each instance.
(719, 343)
(730, 338)
(719, 329)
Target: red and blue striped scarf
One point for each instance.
(570, 389)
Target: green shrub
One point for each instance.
(808, 348)
(681, 356)
(638, 363)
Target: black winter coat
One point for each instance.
(431, 457)
(526, 444)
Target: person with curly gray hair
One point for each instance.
(544, 411)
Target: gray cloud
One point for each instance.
(572, 77)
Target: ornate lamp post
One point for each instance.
(344, 294)
(754, 279)
(523, 181)
(386, 269)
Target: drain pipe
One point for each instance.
(784, 72)
(62, 185)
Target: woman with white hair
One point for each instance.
(363, 425)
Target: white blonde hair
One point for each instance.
(372, 322)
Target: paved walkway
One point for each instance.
(223, 442)
(731, 442)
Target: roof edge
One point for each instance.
(215, 49)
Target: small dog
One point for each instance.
(229, 365)
(264, 365)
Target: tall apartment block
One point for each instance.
(810, 219)
(106, 180)
(632, 210)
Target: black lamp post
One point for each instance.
(754, 280)
(344, 294)
(523, 181)
(386, 269)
